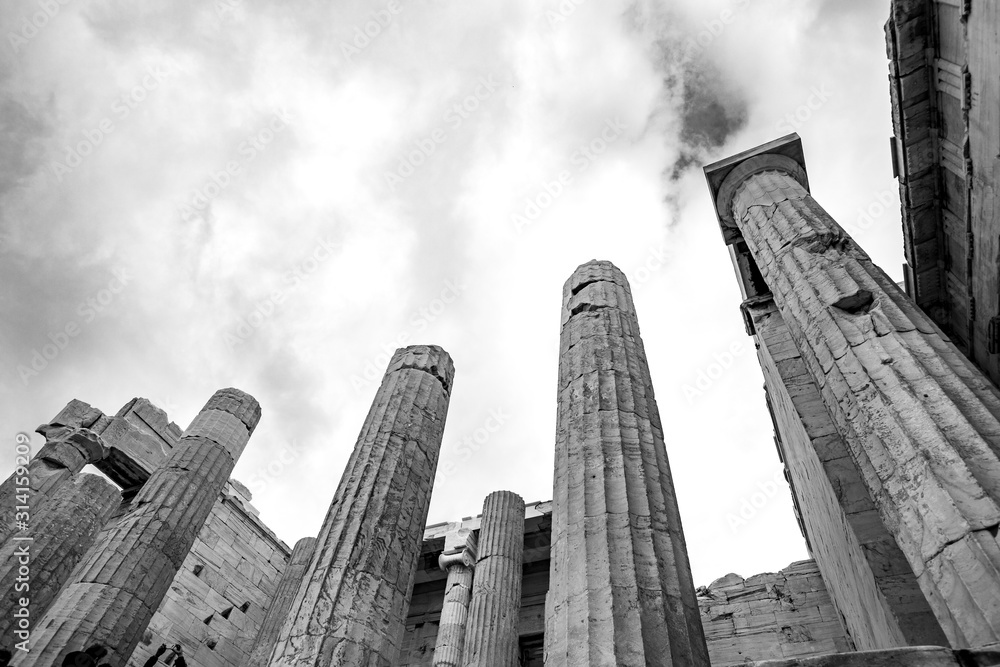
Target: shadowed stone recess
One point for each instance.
(491, 637)
(122, 580)
(61, 532)
(291, 579)
(352, 607)
(921, 423)
(620, 582)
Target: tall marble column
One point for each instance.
(122, 580)
(58, 536)
(491, 637)
(921, 423)
(620, 589)
(284, 595)
(352, 608)
(458, 560)
(65, 452)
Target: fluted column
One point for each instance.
(352, 608)
(491, 637)
(922, 424)
(458, 562)
(284, 595)
(620, 589)
(125, 575)
(58, 536)
(65, 452)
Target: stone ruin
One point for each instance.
(886, 414)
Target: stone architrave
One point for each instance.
(284, 595)
(66, 451)
(491, 637)
(351, 610)
(122, 580)
(921, 423)
(458, 560)
(58, 536)
(620, 589)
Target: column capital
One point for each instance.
(726, 176)
(71, 447)
(462, 555)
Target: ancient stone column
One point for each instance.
(491, 637)
(57, 537)
(921, 423)
(66, 451)
(620, 589)
(284, 595)
(458, 560)
(123, 578)
(352, 608)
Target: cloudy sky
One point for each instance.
(274, 196)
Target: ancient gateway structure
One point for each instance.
(886, 413)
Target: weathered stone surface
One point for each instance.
(59, 534)
(139, 439)
(491, 636)
(352, 607)
(66, 451)
(291, 579)
(922, 424)
(124, 577)
(621, 590)
(920, 656)
(458, 560)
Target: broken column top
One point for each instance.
(595, 285)
(725, 176)
(427, 358)
(239, 404)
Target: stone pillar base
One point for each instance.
(913, 656)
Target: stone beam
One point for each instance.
(491, 638)
(122, 580)
(352, 608)
(620, 581)
(921, 423)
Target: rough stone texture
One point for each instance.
(218, 601)
(491, 637)
(281, 602)
(458, 560)
(621, 590)
(352, 607)
(139, 439)
(59, 535)
(125, 576)
(921, 656)
(66, 451)
(922, 424)
(870, 581)
(770, 616)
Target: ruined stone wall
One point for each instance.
(219, 598)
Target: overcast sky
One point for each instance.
(275, 195)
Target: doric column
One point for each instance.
(284, 595)
(921, 423)
(57, 537)
(125, 575)
(620, 589)
(491, 638)
(352, 608)
(66, 451)
(458, 560)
